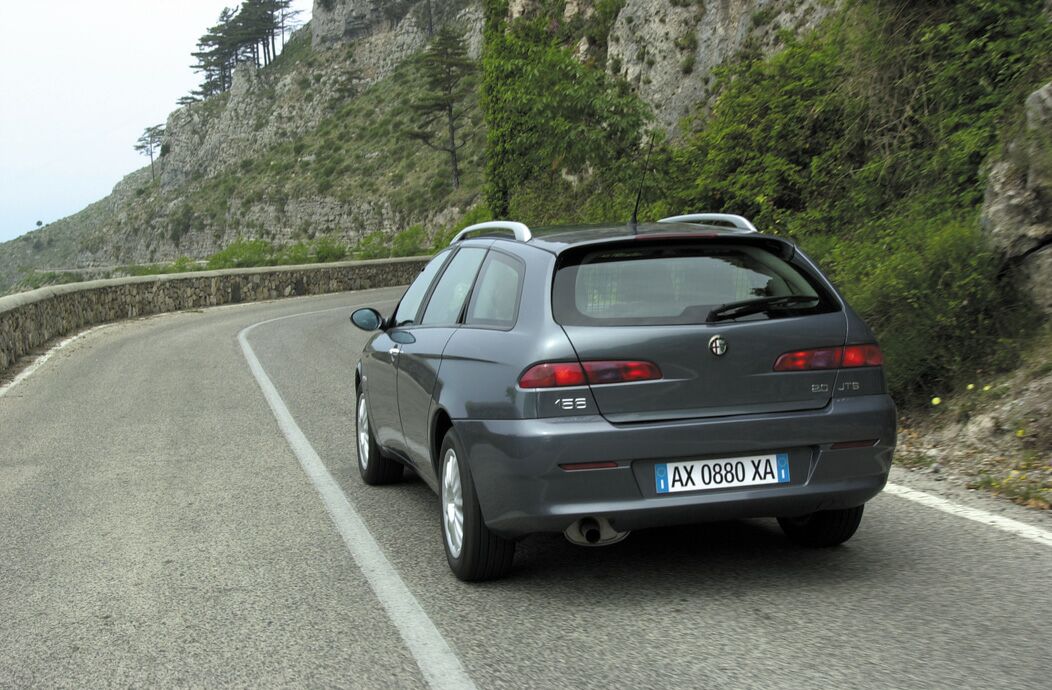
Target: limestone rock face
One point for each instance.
(386, 32)
(201, 138)
(336, 21)
(668, 50)
(1017, 210)
(258, 112)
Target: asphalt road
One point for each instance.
(156, 529)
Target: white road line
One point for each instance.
(1020, 529)
(438, 663)
(42, 359)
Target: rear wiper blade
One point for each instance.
(733, 310)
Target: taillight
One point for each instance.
(621, 372)
(806, 360)
(560, 374)
(850, 357)
(553, 375)
(862, 356)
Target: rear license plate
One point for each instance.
(721, 473)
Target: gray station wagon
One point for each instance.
(597, 380)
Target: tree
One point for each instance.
(248, 33)
(40, 223)
(448, 80)
(216, 55)
(547, 113)
(288, 20)
(149, 143)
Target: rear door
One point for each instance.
(651, 301)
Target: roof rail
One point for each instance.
(520, 230)
(739, 222)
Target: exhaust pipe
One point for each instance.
(589, 529)
(593, 531)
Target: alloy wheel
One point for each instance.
(363, 434)
(452, 504)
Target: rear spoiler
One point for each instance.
(781, 247)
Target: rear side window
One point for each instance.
(410, 304)
(495, 302)
(453, 287)
(678, 284)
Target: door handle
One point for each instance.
(394, 351)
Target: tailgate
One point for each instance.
(652, 302)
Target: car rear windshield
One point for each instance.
(677, 284)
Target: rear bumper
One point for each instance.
(522, 489)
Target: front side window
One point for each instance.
(453, 287)
(410, 304)
(496, 299)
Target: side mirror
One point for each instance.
(367, 319)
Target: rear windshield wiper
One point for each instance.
(733, 310)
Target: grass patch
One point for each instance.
(1028, 481)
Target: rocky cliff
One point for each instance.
(1017, 213)
(668, 50)
(386, 32)
(358, 43)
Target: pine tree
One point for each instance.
(149, 143)
(248, 33)
(216, 55)
(448, 79)
(288, 19)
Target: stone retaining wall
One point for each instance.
(30, 319)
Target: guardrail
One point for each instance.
(31, 319)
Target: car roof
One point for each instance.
(559, 238)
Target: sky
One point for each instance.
(79, 82)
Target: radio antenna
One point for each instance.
(639, 194)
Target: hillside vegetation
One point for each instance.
(863, 140)
(360, 151)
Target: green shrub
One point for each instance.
(297, 254)
(547, 113)
(184, 264)
(327, 249)
(373, 246)
(930, 289)
(242, 254)
(409, 242)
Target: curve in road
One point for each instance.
(157, 529)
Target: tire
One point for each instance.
(478, 554)
(824, 528)
(373, 465)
